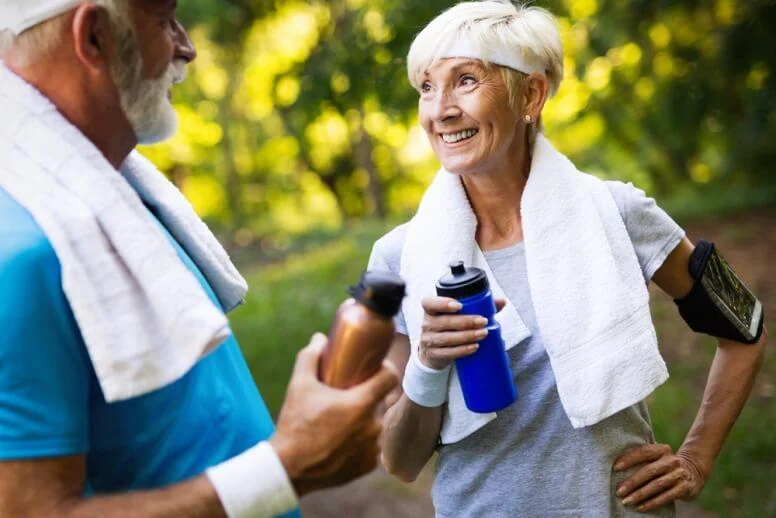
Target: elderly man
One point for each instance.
(122, 390)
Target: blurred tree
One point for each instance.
(299, 114)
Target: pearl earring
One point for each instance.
(528, 119)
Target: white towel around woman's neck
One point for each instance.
(587, 289)
(144, 317)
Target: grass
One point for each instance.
(297, 296)
(291, 300)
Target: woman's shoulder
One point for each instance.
(387, 250)
(628, 197)
(652, 231)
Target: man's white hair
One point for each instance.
(34, 43)
(38, 41)
(488, 27)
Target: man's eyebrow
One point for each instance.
(160, 7)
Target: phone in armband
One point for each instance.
(719, 303)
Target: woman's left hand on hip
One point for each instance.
(663, 477)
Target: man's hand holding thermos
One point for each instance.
(327, 433)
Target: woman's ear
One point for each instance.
(93, 37)
(535, 91)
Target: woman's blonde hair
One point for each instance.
(492, 25)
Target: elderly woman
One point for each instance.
(570, 257)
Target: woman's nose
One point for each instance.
(445, 107)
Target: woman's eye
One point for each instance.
(468, 80)
(425, 87)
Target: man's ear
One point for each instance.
(93, 37)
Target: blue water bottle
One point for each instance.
(486, 379)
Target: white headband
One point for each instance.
(20, 15)
(462, 48)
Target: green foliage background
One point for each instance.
(298, 115)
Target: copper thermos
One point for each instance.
(362, 331)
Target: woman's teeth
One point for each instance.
(452, 138)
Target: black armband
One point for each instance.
(719, 304)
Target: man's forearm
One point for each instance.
(410, 436)
(730, 381)
(193, 499)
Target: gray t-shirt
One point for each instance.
(530, 461)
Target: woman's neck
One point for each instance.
(495, 197)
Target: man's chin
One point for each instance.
(164, 130)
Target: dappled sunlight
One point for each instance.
(304, 118)
(328, 136)
(206, 195)
(579, 9)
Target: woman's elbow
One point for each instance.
(398, 469)
(761, 343)
(756, 355)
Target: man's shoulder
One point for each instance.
(23, 244)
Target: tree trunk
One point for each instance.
(233, 180)
(364, 148)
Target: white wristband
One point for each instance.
(424, 385)
(253, 484)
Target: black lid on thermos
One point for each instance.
(382, 292)
(462, 282)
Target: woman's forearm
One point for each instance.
(410, 434)
(730, 381)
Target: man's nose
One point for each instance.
(184, 48)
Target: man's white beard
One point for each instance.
(152, 115)
(145, 101)
(148, 108)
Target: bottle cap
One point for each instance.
(382, 292)
(462, 282)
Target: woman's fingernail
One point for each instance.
(628, 501)
(482, 333)
(618, 466)
(454, 305)
(641, 508)
(621, 491)
(480, 321)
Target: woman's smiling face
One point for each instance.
(465, 109)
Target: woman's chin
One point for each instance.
(459, 167)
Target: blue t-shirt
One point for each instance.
(51, 403)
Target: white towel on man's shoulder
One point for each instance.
(144, 317)
(586, 285)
